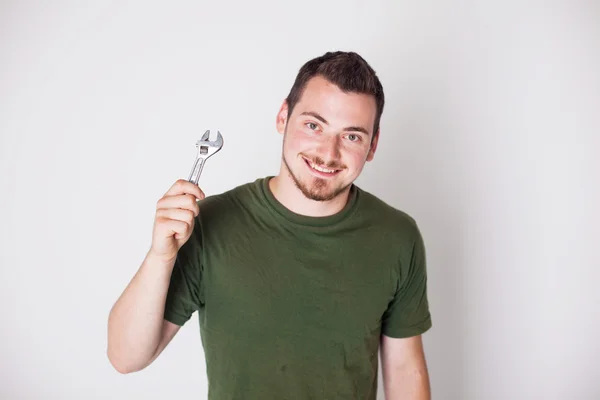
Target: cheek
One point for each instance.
(356, 155)
(297, 140)
(356, 161)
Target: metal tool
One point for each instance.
(206, 148)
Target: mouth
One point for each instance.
(321, 171)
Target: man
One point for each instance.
(300, 279)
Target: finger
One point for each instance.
(177, 214)
(170, 227)
(181, 186)
(184, 201)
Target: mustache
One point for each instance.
(333, 164)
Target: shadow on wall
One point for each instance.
(419, 169)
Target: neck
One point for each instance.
(285, 191)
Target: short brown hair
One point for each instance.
(348, 71)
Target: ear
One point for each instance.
(282, 117)
(373, 148)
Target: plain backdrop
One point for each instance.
(490, 140)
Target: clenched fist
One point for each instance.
(174, 220)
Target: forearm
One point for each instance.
(407, 383)
(136, 320)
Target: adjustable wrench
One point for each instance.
(206, 148)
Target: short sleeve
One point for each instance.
(408, 313)
(185, 294)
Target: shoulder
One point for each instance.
(231, 202)
(237, 193)
(384, 213)
(391, 224)
(396, 230)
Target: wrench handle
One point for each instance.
(196, 170)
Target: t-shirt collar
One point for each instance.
(295, 218)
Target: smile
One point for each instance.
(321, 171)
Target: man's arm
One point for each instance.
(137, 329)
(405, 375)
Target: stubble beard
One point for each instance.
(317, 189)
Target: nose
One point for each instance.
(330, 148)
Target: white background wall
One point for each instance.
(490, 139)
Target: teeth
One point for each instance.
(329, 171)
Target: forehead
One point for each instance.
(336, 106)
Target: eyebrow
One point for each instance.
(323, 120)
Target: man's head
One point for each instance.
(330, 120)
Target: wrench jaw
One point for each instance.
(219, 142)
(205, 137)
(207, 148)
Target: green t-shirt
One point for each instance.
(292, 307)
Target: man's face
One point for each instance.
(327, 138)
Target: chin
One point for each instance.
(318, 189)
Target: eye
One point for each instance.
(353, 137)
(312, 126)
